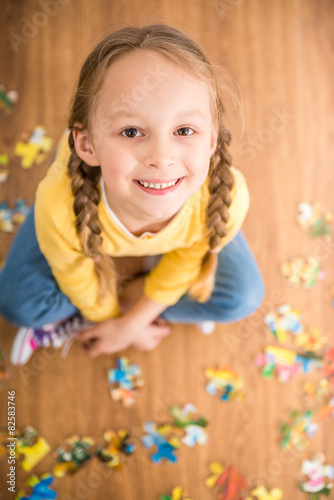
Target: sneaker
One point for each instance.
(206, 327)
(28, 340)
(23, 347)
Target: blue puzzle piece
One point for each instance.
(41, 491)
(124, 373)
(163, 448)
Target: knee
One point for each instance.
(11, 311)
(250, 298)
(240, 303)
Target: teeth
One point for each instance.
(164, 185)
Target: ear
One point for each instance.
(84, 148)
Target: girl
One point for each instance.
(138, 219)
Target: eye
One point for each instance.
(184, 131)
(130, 132)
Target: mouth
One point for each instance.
(154, 186)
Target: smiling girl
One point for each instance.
(137, 222)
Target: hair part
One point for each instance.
(177, 47)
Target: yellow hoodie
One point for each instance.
(182, 242)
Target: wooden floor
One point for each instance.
(280, 55)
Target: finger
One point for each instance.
(86, 335)
(92, 348)
(162, 330)
(160, 322)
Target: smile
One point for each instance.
(162, 187)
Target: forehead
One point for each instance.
(145, 78)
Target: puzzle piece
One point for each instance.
(225, 382)
(7, 100)
(296, 435)
(187, 418)
(125, 381)
(315, 220)
(328, 366)
(9, 217)
(30, 448)
(195, 434)
(40, 489)
(232, 483)
(73, 455)
(4, 170)
(261, 493)
(216, 469)
(286, 362)
(165, 449)
(317, 473)
(302, 271)
(117, 443)
(177, 494)
(34, 148)
(316, 392)
(312, 341)
(285, 320)
(326, 411)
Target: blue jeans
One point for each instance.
(30, 295)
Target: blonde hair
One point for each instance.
(176, 46)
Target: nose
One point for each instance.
(159, 152)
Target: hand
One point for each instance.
(149, 338)
(117, 334)
(105, 337)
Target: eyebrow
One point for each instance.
(183, 114)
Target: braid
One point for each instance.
(84, 182)
(221, 182)
(220, 185)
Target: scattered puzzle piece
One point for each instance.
(39, 489)
(317, 472)
(296, 435)
(312, 341)
(328, 366)
(155, 437)
(10, 217)
(32, 149)
(315, 220)
(326, 411)
(261, 493)
(30, 448)
(117, 443)
(7, 100)
(187, 418)
(73, 455)
(316, 392)
(125, 381)
(232, 483)
(216, 469)
(4, 170)
(285, 320)
(286, 362)
(177, 494)
(226, 383)
(302, 271)
(230, 480)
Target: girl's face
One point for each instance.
(153, 136)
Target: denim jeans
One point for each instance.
(30, 296)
